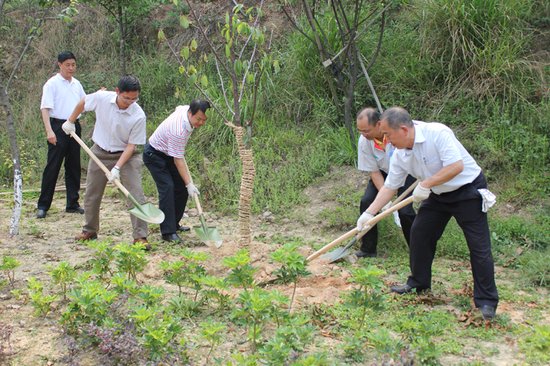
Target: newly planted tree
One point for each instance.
(186, 272)
(62, 275)
(240, 54)
(130, 259)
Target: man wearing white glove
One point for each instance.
(449, 183)
(119, 128)
(164, 157)
(60, 94)
(374, 152)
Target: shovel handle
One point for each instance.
(353, 232)
(195, 197)
(397, 200)
(103, 167)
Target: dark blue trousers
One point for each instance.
(464, 205)
(66, 149)
(171, 187)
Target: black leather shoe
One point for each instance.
(174, 238)
(40, 213)
(183, 228)
(487, 311)
(401, 289)
(361, 254)
(78, 209)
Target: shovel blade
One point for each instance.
(339, 253)
(149, 213)
(209, 235)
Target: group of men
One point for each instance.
(119, 128)
(393, 148)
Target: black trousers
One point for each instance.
(464, 205)
(171, 187)
(369, 241)
(66, 149)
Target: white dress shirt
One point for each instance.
(172, 135)
(435, 146)
(60, 96)
(114, 127)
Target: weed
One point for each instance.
(62, 275)
(42, 303)
(212, 332)
(536, 344)
(293, 266)
(9, 264)
(369, 294)
(186, 272)
(242, 272)
(534, 265)
(103, 257)
(130, 259)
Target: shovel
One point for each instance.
(342, 252)
(207, 234)
(146, 211)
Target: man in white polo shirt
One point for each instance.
(60, 94)
(450, 181)
(374, 153)
(119, 128)
(164, 155)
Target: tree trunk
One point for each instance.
(6, 113)
(122, 41)
(247, 186)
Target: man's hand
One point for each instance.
(363, 219)
(114, 174)
(420, 193)
(52, 138)
(68, 127)
(192, 190)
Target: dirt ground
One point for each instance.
(42, 244)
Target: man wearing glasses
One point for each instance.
(119, 127)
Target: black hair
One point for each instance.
(65, 55)
(128, 83)
(198, 105)
(397, 117)
(372, 115)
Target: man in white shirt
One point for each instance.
(119, 128)
(60, 94)
(449, 183)
(164, 155)
(374, 153)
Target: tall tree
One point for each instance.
(338, 43)
(240, 54)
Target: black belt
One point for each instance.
(109, 152)
(156, 152)
(52, 119)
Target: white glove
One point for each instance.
(68, 127)
(388, 205)
(114, 174)
(363, 219)
(420, 193)
(192, 190)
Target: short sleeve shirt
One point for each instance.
(372, 158)
(172, 135)
(435, 147)
(60, 96)
(114, 127)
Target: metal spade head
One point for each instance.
(147, 212)
(340, 252)
(209, 235)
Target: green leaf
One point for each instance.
(185, 52)
(194, 45)
(204, 81)
(184, 22)
(227, 51)
(182, 69)
(161, 36)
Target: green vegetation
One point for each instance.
(476, 65)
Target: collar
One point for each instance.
(63, 79)
(113, 101)
(418, 135)
(186, 123)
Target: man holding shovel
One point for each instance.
(119, 127)
(451, 185)
(164, 157)
(374, 152)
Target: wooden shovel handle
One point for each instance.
(353, 232)
(195, 196)
(99, 163)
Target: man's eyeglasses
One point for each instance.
(128, 100)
